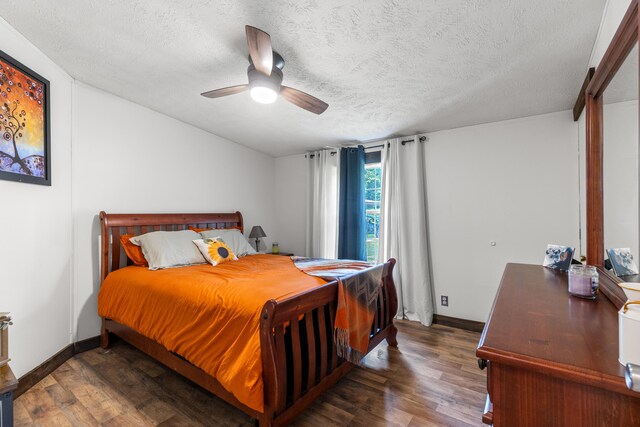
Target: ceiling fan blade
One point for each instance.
(225, 91)
(303, 100)
(260, 49)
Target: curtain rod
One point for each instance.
(421, 139)
(311, 156)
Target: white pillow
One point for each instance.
(233, 238)
(164, 249)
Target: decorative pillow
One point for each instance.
(165, 249)
(200, 230)
(233, 238)
(215, 251)
(133, 251)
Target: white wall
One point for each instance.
(512, 182)
(291, 203)
(36, 231)
(128, 158)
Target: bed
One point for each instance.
(294, 331)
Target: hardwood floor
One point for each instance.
(431, 379)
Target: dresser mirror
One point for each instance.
(620, 158)
(611, 154)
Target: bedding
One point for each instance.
(215, 251)
(208, 315)
(166, 249)
(357, 297)
(234, 238)
(133, 251)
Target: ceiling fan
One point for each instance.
(265, 76)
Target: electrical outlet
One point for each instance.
(444, 300)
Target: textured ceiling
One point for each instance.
(386, 67)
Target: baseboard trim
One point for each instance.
(454, 322)
(86, 345)
(38, 373)
(35, 375)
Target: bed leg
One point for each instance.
(391, 338)
(104, 335)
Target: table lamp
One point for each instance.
(256, 233)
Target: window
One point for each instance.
(372, 195)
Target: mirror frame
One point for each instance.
(621, 45)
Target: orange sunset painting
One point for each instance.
(23, 139)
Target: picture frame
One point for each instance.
(25, 136)
(622, 261)
(558, 257)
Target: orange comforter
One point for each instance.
(209, 315)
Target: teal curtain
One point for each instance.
(352, 226)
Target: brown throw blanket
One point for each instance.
(358, 287)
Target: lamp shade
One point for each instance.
(257, 232)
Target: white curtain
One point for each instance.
(322, 210)
(404, 233)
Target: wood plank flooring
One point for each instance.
(431, 379)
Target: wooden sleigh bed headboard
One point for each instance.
(113, 226)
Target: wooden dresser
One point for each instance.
(552, 359)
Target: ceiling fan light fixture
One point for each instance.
(265, 77)
(263, 94)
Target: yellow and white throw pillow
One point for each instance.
(215, 251)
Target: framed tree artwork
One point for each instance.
(25, 153)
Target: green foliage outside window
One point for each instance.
(373, 193)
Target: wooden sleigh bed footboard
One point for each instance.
(296, 335)
(298, 353)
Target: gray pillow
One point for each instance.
(233, 238)
(165, 249)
